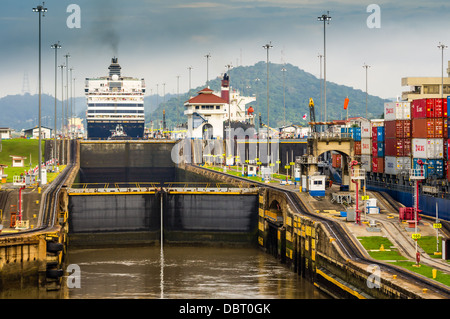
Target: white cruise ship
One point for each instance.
(114, 103)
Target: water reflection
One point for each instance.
(185, 272)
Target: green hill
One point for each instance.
(21, 111)
(299, 87)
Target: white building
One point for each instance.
(208, 112)
(46, 132)
(5, 133)
(205, 113)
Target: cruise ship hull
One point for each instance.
(102, 130)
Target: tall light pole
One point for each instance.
(178, 100)
(55, 46)
(67, 56)
(442, 47)
(267, 47)
(229, 66)
(71, 104)
(190, 68)
(320, 56)
(326, 20)
(366, 67)
(284, 94)
(73, 97)
(208, 56)
(62, 66)
(40, 9)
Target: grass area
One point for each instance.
(373, 244)
(428, 243)
(424, 270)
(28, 148)
(236, 172)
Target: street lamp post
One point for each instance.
(267, 47)
(366, 67)
(320, 56)
(71, 104)
(40, 9)
(62, 66)
(190, 68)
(284, 95)
(442, 47)
(208, 56)
(55, 46)
(326, 19)
(67, 56)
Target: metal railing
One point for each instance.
(139, 187)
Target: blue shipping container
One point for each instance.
(380, 148)
(380, 134)
(357, 134)
(448, 101)
(433, 167)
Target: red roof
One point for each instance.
(206, 96)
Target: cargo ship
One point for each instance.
(115, 102)
(410, 133)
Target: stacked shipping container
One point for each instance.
(377, 140)
(397, 143)
(429, 133)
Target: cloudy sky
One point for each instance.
(159, 39)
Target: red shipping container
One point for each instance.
(430, 128)
(406, 128)
(374, 149)
(375, 165)
(448, 149)
(336, 160)
(419, 108)
(444, 109)
(397, 128)
(357, 148)
(445, 129)
(378, 165)
(438, 111)
(448, 171)
(374, 134)
(397, 147)
(407, 147)
(427, 128)
(430, 108)
(438, 128)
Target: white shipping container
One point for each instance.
(396, 165)
(366, 162)
(366, 129)
(397, 111)
(427, 148)
(377, 122)
(366, 146)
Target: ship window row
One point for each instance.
(207, 107)
(115, 111)
(113, 116)
(115, 104)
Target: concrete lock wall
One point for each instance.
(199, 217)
(187, 218)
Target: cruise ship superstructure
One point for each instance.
(113, 102)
